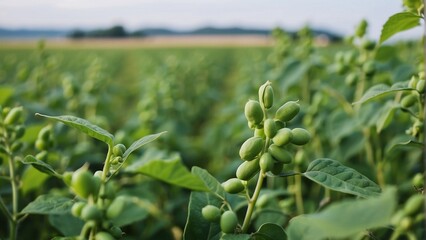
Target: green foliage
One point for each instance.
(48, 204)
(345, 219)
(84, 126)
(168, 169)
(359, 102)
(332, 174)
(398, 23)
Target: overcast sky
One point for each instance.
(340, 16)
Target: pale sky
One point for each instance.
(340, 16)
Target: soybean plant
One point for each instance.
(12, 130)
(96, 203)
(228, 209)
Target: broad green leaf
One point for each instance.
(66, 224)
(236, 237)
(270, 231)
(32, 179)
(139, 143)
(5, 93)
(209, 181)
(292, 73)
(332, 174)
(49, 204)
(40, 165)
(345, 219)
(84, 126)
(397, 23)
(403, 142)
(135, 209)
(380, 90)
(385, 116)
(169, 169)
(196, 226)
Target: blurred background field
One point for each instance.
(195, 88)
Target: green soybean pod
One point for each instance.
(91, 212)
(283, 137)
(408, 101)
(414, 204)
(83, 183)
(300, 136)
(210, 213)
(287, 111)
(251, 148)
(280, 154)
(233, 185)
(420, 86)
(228, 222)
(115, 208)
(119, 149)
(413, 82)
(77, 208)
(13, 115)
(266, 95)
(369, 67)
(45, 133)
(361, 28)
(116, 232)
(253, 112)
(270, 128)
(266, 162)
(103, 236)
(248, 169)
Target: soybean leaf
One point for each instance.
(379, 90)
(32, 179)
(84, 126)
(66, 224)
(333, 175)
(196, 226)
(135, 209)
(209, 181)
(169, 169)
(403, 142)
(40, 165)
(49, 204)
(292, 73)
(385, 116)
(270, 231)
(139, 143)
(397, 23)
(345, 219)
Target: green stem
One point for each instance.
(252, 202)
(107, 165)
(13, 223)
(298, 193)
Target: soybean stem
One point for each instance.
(13, 223)
(298, 193)
(252, 202)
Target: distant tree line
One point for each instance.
(112, 32)
(120, 32)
